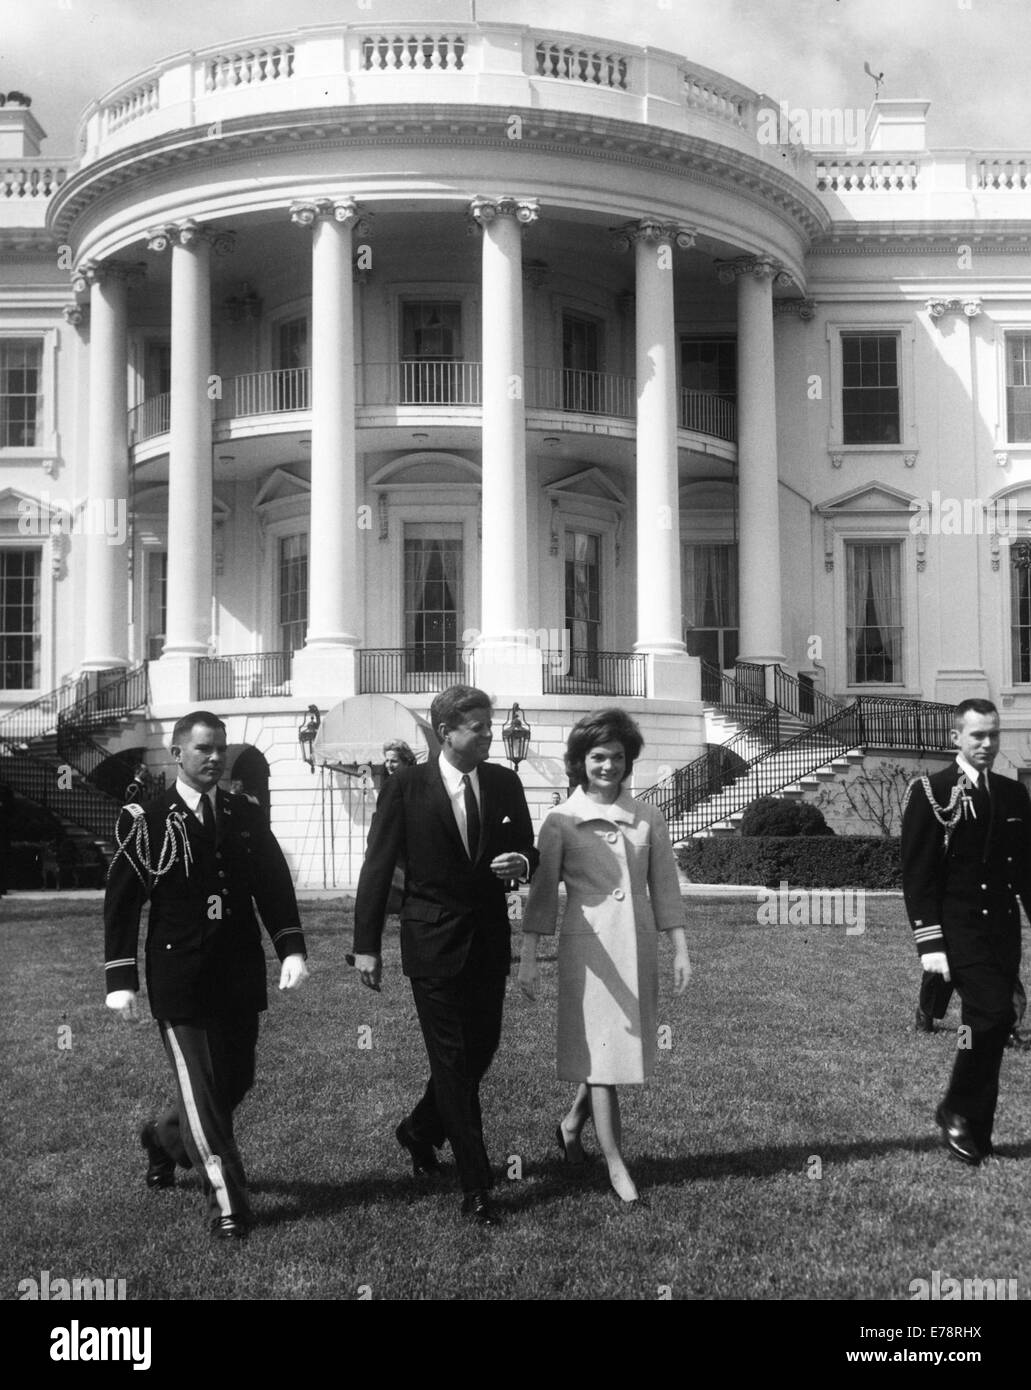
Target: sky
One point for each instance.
(969, 58)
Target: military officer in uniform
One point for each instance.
(203, 859)
(966, 862)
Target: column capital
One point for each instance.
(305, 212)
(798, 307)
(761, 267)
(938, 308)
(189, 234)
(484, 210)
(75, 314)
(652, 231)
(90, 272)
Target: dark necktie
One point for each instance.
(983, 800)
(207, 815)
(472, 816)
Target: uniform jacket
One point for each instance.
(204, 951)
(963, 899)
(448, 899)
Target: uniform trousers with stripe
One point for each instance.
(213, 1065)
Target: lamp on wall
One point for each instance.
(306, 736)
(516, 736)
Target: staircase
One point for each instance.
(48, 751)
(799, 736)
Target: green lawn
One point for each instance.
(791, 1045)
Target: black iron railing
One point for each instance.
(799, 696)
(246, 676)
(886, 722)
(730, 694)
(595, 673)
(76, 802)
(38, 717)
(397, 670)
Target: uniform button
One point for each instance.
(229, 912)
(168, 947)
(984, 912)
(619, 895)
(221, 873)
(612, 837)
(983, 886)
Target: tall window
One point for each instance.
(709, 364)
(433, 596)
(874, 624)
(157, 368)
(581, 385)
(293, 592)
(292, 359)
(870, 388)
(20, 401)
(1018, 388)
(1020, 628)
(431, 352)
(709, 583)
(19, 619)
(157, 603)
(583, 600)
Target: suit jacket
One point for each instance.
(963, 899)
(449, 900)
(204, 953)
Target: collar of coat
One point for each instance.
(580, 807)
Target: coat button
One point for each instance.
(984, 912)
(983, 887)
(229, 912)
(168, 946)
(221, 873)
(612, 837)
(619, 895)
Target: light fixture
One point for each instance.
(245, 305)
(552, 441)
(304, 442)
(516, 737)
(420, 436)
(306, 736)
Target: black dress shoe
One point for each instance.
(230, 1228)
(161, 1169)
(423, 1155)
(958, 1137)
(476, 1207)
(1018, 1042)
(924, 1022)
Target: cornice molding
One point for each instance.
(544, 133)
(921, 239)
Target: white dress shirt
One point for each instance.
(192, 798)
(452, 779)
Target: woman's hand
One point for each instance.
(681, 971)
(529, 977)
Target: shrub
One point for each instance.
(852, 861)
(772, 815)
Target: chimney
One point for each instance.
(20, 132)
(897, 125)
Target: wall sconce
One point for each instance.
(516, 737)
(245, 305)
(306, 736)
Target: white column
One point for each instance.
(758, 490)
(506, 661)
(327, 666)
(105, 520)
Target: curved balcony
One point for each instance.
(432, 385)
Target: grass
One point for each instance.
(792, 1053)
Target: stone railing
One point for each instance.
(885, 173)
(571, 62)
(245, 67)
(407, 52)
(31, 178)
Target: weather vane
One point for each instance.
(878, 78)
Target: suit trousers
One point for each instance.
(213, 1064)
(986, 990)
(460, 1017)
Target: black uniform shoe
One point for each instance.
(230, 1228)
(924, 1022)
(476, 1207)
(958, 1137)
(161, 1169)
(423, 1155)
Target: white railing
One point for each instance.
(585, 393)
(900, 174)
(705, 413)
(248, 67)
(407, 52)
(721, 99)
(594, 67)
(31, 178)
(1004, 172)
(129, 106)
(436, 383)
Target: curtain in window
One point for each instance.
(875, 614)
(710, 586)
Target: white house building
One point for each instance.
(340, 365)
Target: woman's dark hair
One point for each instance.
(601, 726)
(402, 749)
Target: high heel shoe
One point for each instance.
(561, 1140)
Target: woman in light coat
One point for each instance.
(615, 858)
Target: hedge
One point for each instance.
(844, 861)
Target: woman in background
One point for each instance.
(396, 754)
(614, 856)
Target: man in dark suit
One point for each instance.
(203, 859)
(461, 828)
(966, 861)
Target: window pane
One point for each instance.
(20, 402)
(432, 598)
(19, 619)
(870, 390)
(293, 591)
(1020, 630)
(874, 628)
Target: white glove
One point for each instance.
(123, 1001)
(293, 973)
(937, 963)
